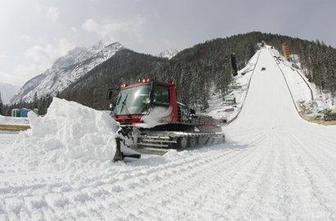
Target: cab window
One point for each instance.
(161, 95)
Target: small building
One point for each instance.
(15, 112)
(23, 112)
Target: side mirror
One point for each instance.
(112, 92)
(111, 106)
(109, 94)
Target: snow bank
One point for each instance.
(68, 131)
(14, 120)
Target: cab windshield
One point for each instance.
(134, 100)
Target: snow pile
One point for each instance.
(169, 53)
(69, 131)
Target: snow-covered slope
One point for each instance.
(169, 53)
(220, 108)
(274, 166)
(65, 71)
(309, 99)
(7, 91)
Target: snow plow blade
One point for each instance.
(120, 155)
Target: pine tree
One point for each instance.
(35, 100)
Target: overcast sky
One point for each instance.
(35, 32)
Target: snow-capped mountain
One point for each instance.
(7, 91)
(66, 70)
(169, 53)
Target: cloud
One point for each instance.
(10, 78)
(116, 30)
(38, 53)
(3, 56)
(25, 38)
(91, 25)
(53, 14)
(41, 56)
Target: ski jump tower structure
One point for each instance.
(285, 51)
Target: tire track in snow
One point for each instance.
(324, 143)
(214, 176)
(255, 194)
(315, 177)
(191, 182)
(186, 185)
(78, 196)
(323, 161)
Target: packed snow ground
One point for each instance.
(274, 165)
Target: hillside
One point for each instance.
(125, 65)
(205, 65)
(196, 70)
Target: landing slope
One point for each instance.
(292, 170)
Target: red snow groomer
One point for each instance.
(152, 118)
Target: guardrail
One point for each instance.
(303, 78)
(247, 90)
(290, 91)
(311, 90)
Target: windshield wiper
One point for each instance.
(123, 104)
